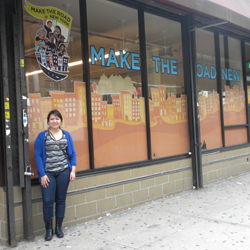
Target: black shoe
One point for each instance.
(58, 230)
(49, 230)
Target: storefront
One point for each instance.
(154, 94)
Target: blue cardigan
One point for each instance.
(40, 152)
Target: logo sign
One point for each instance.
(51, 41)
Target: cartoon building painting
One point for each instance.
(210, 102)
(124, 107)
(96, 102)
(117, 106)
(234, 99)
(136, 110)
(71, 105)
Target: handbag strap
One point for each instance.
(57, 142)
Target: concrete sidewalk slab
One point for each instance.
(212, 218)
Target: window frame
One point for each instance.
(86, 78)
(217, 32)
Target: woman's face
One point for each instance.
(54, 122)
(42, 35)
(57, 30)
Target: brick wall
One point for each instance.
(224, 164)
(92, 197)
(3, 216)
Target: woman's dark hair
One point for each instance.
(54, 112)
(59, 28)
(62, 44)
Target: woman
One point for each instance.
(58, 34)
(40, 40)
(61, 50)
(56, 163)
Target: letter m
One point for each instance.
(97, 55)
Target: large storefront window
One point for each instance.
(234, 106)
(209, 100)
(168, 101)
(118, 110)
(53, 63)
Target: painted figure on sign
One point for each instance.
(40, 40)
(51, 44)
(61, 50)
(58, 34)
(47, 27)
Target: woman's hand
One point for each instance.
(72, 176)
(45, 181)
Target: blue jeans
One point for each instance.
(55, 193)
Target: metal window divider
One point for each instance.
(22, 123)
(7, 140)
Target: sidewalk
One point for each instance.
(216, 217)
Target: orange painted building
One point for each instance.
(96, 102)
(136, 110)
(156, 99)
(34, 112)
(126, 105)
(71, 105)
(80, 89)
(184, 111)
(117, 106)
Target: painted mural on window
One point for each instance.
(118, 120)
(209, 107)
(117, 104)
(234, 105)
(166, 87)
(168, 122)
(234, 136)
(51, 40)
(208, 94)
(210, 127)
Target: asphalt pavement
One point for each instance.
(216, 217)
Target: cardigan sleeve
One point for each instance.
(71, 150)
(39, 156)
